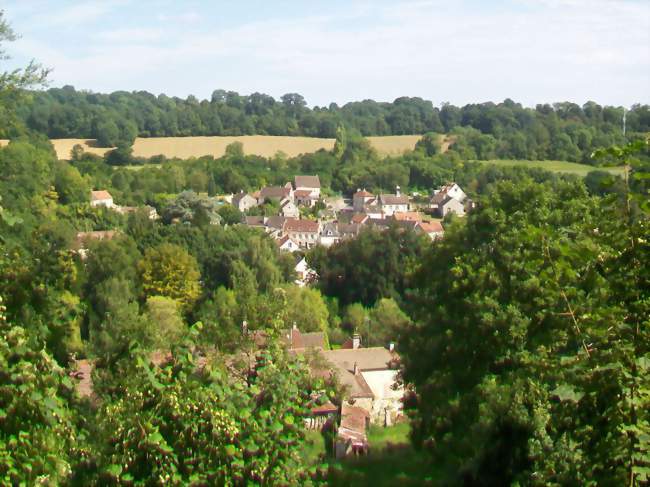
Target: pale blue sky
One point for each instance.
(464, 51)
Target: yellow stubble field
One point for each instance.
(262, 145)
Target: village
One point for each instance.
(372, 394)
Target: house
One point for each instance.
(391, 203)
(369, 376)
(433, 229)
(304, 232)
(304, 274)
(101, 198)
(275, 226)
(348, 230)
(275, 193)
(446, 204)
(305, 197)
(287, 245)
(243, 201)
(450, 198)
(329, 234)
(361, 199)
(289, 210)
(257, 221)
(308, 183)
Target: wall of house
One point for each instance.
(387, 401)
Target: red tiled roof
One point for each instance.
(363, 194)
(274, 192)
(359, 218)
(302, 193)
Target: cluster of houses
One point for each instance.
(345, 219)
(371, 393)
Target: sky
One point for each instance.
(464, 51)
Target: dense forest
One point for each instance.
(507, 130)
(523, 335)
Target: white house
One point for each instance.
(329, 234)
(289, 210)
(392, 203)
(304, 273)
(287, 245)
(450, 198)
(101, 198)
(243, 201)
(304, 232)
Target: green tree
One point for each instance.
(36, 428)
(168, 270)
(164, 315)
(531, 326)
(306, 309)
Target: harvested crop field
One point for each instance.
(261, 145)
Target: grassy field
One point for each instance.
(555, 166)
(261, 145)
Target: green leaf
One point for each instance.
(567, 393)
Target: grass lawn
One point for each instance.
(391, 461)
(555, 166)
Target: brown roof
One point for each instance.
(277, 221)
(343, 360)
(431, 227)
(393, 199)
(307, 181)
(413, 216)
(359, 218)
(238, 197)
(302, 193)
(353, 423)
(313, 340)
(254, 220)
(100, 195)
(274, 192)
(363, 194)
(303, 226)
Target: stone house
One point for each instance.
(450, 198)
(329, 234)
(287, 245)
(308, 183)
(275, 193)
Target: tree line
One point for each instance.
(559, 131)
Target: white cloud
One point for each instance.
(548, 50)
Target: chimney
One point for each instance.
(397, 190)
(356, 369)
(244, 327)
(391, 346)
(356, 341)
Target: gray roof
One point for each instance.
(393, 199)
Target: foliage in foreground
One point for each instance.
(530, 359)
